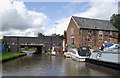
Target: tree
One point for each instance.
(115, 20)
(41, 35)
(54, 35)
(26, 47)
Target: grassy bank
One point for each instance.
(10, 55)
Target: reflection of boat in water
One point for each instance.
(109, 57)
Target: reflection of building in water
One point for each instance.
(74, 68)
(68, 66)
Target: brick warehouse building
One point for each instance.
(90, 32)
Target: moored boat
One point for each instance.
(68, 53)
(109, 57)
(81, 53)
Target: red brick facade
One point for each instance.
(80, 36)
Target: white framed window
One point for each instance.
(72, 31)
(110, 32)
(100, 35)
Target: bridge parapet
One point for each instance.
(25, 44)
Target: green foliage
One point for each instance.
(26, 47)
(115, 20)
(41, 35)
(53, 35)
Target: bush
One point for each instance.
(26, 47)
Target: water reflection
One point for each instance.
(44, 65)
(29, 52)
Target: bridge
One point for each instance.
(37, 45)
(41, 43)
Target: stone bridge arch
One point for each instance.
(37, 45)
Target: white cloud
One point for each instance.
(98, 10)
(119, 7)
(17, 19)
(59, 28)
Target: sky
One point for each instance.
(19, 18)
(119, 7)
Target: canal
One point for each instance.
(45, 65)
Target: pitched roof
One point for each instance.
(92, 23)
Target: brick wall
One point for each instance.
(76, 33)
(99, 43)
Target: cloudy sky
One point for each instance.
(19, 18)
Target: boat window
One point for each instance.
(69, 50)
(73, 52)
(116, 47)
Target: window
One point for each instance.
(72, 41)
(100, 35)
(105, 35)
(89, 38)
(73, 52)
(89, 31)
(110, 33)
(72, 31)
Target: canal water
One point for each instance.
(45, 65)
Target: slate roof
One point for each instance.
(92, 23)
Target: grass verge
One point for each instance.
(10, 55)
